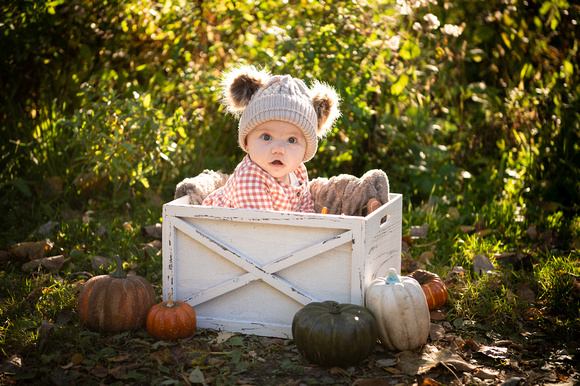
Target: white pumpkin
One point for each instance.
(401, 311)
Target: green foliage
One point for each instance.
(124, 139)
(450, 110)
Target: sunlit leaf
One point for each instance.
(409, 50)
(399, 86)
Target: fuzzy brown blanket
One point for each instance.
(343, 194)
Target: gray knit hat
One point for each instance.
(260, 97)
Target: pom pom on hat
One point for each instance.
(325, 101)
(238, 86)
(260, 97)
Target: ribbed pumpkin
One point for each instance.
(433, 287)
(401, 311)
(172, 319)
(332, 334)
(115, 302)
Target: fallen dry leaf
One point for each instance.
(151, 249)
(532, 232)
(453, 213)
(272, 342)
(4, 256)
(44, 331)
(153, 231)
(63, 316)
(87, 216)
(486, 374)
(101, 231)
(457, 271)
(100, 262)
(466, 228)
(53, 263)
(525, 293)
(436, 332)
(484, 232)
(99, 371)
(338, 371)
(50, 187)
(494, 351)
(90, 182)
(414, 364)
(429, 382)
(426, 257)
(11, 365)
(419, 232)
(32, 250)
(196, 377)
(408, 264)
(371, 382)
(386, 362)
(436, 315)
(482, 264)
(223, 336)
(46, 228)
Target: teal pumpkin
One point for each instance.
(332, 334)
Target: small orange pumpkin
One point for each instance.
(172, 319)
(433, 287)
(115, 302)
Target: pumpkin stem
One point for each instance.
(118, 273)
(392, 277)
(170, 302)
(335, 308)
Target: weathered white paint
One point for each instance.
(250, 271)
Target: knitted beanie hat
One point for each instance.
(260, 97)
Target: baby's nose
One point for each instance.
(278, 147)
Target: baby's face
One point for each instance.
(277, 147)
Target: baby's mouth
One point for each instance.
(277, 162)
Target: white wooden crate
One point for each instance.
(250, 271)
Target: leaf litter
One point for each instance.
(458, 351)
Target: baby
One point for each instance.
(281, 121)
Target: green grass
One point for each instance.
(30, 300)
(495, 303)
(38, 320)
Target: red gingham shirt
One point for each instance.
(250, 187)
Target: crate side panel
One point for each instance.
(198, 268)
(256, 328)
(254, 302)
(262, 242)
(383, 240)
(325, 276)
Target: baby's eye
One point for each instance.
(266, 137)
(292, 140)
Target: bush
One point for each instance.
(451, 110)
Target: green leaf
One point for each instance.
(398, 87)
(409, 50)
(23, 187)
(545, 7)
(506, 40)
(147, 101)
(144, 181)
(196, 376)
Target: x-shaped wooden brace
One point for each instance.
(265, 273)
